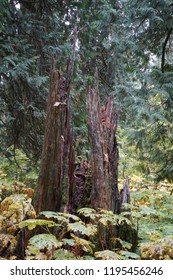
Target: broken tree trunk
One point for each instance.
(51, 170)
(57, 152)
(125, 192)
(125, 195)
(102, 125)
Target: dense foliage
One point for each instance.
(130, 45)
(142, 231)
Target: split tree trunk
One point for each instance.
(102, 126)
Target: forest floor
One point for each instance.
(151, 215)
(152, 211)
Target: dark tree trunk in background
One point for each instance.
(102, 125)
(125, 194)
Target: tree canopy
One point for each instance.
(130, 45)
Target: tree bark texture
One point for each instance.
(79, 186)
(57, 153)
(102, 126)
(55, 143)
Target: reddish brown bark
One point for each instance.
(102, 125)
(51, 170)
(57, 153)
(79, 196)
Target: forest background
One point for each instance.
(122, 52)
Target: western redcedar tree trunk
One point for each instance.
(51, 170)
(102, 126)
(57, 153)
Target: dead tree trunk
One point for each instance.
(102, 125)
(57, 153)
(125, 194)
(51, 170)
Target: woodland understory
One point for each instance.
(86, 133)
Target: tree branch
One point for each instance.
(164, 49)
(146, 17)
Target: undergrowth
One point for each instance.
(142, 231)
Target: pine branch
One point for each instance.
(146, 17)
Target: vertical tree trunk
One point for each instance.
(57, 153)
(102, 125)
(51, 170)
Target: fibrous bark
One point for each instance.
(51, 170)
(102, 125)
(57, 153)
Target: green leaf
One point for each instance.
(85, 245)
(88, 230)
(86, 257)
(123, 220)
(54, 215)
(129, 255)
(113, 219)
(88, 212)
(136, 215)
(63, 254)
(32, 223)
(60, 216)
(70, 216)
(146, 211)
(129, 206)
(69, 242)
(126, 245)
(106, 255)
(45, 241)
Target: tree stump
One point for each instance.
(57, 152)
(102, 126)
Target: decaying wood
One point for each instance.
(51, 170)
(79, 191)
(69, 154)
(125, 192)
(125, 197)
(102, 125)
(57, 152)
